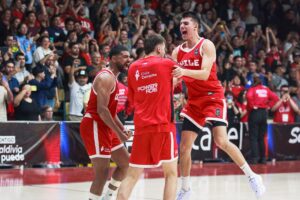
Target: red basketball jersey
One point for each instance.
(192, 59)
(150, 91)
(113, 100)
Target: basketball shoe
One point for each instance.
(257, 185)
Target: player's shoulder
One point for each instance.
(169, 60)
(208, 43)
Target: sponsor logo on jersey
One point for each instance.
(151, 88)
(137, 75)
(196, 52)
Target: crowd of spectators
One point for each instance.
(50, 50)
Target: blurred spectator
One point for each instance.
(10, 48)
(122, 106)
(233, 113)
(12, 81)
(46, 113)
(96, 66)
(6, 17)
(277, 79)
(27, 46)
(32, 24)
(78, 89)
(236, 86)
(285, 108)
(252, 66)
(26, 108)
(242, 106)
(41, 84)
(55, 32)
(6, 97)
(22, 75)
(43, 52)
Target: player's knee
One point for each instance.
(170, 173)
(185, 149)
(101, 171)
(221, 142)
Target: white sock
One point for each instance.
(185, 183)
(109, 191)
(94, 197)
(247, 170)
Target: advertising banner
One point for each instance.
(284, 143)
(29, 143)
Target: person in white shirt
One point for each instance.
(22, 74)
(79, 89)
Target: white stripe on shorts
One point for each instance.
(96, 136)
(172, 146)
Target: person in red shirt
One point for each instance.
(101, 129)
(259, 99)
(242, 105)
(285, 109)
(206, 103)
(150, 91)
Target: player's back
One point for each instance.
(150, 91)
(192, 59)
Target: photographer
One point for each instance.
(285, 108)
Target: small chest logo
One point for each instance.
(218, 112)
(196, 52)
(137, 75)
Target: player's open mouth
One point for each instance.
(183, 32)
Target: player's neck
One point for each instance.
(193, 41)
(151, 54)
(113, 70)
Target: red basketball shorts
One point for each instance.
(150, 150)
(205, 109)
(99, 141)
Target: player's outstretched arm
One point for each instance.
(208, 59)
(103, 86)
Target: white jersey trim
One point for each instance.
(187, 50)
(153, 166)
(104, 71)
(117, 147)
(191, 120)
(99, 156)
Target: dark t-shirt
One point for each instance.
(27, 111)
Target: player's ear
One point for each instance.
(158, 49)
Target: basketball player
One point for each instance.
(101, 129)
(206, 103)
(150, 91)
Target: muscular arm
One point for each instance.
(103, 85)
(208, 59)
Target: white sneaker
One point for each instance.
(184, 195)
(257, 185)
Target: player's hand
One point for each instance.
(178, 72)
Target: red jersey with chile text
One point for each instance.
(192, 59)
